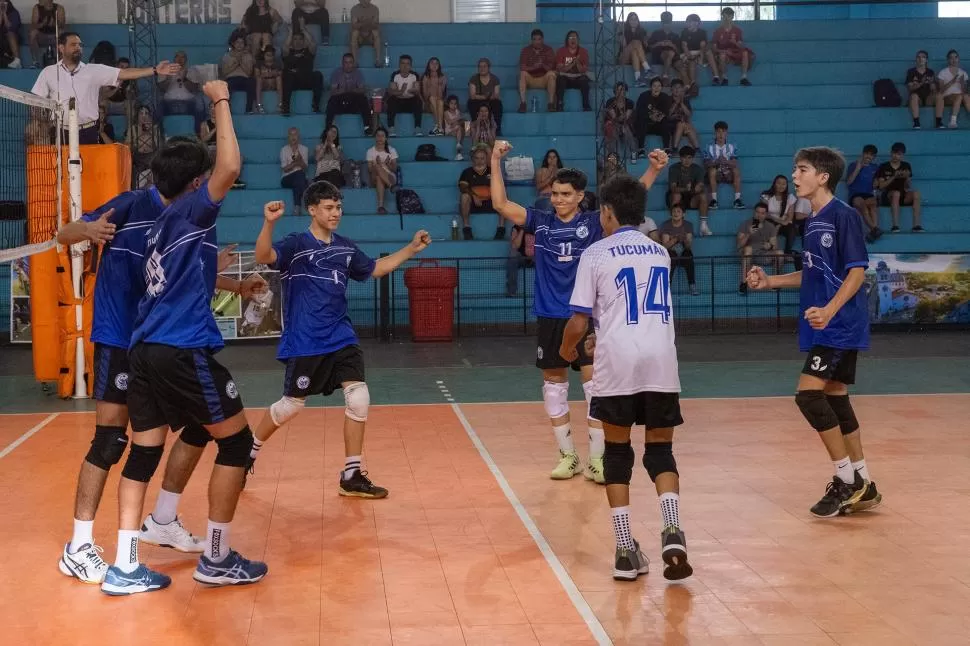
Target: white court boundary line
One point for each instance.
(26, 436)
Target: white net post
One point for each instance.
(77, 251)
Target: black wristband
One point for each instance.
(219, 101)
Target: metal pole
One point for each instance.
(77, 251)
(385, 306)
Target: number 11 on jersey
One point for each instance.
(655, 300)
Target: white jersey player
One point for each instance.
(623, 284)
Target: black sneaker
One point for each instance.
(466, 233)
(360, 486)
(738, 203)
(674, 553)
(916, 124)
(629, 564)
(250, 469)
(839, 496)
(745, 82)
(712, 205)
(500, 233)
(869, 500)
(743, 288)
(918, 229)
(895, 229)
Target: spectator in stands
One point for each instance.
(46, 20)
(261, 22)
(299, 51)
(9, 34)
(434, 88)
(475, 193)
(611, 167)
(294, 160)
(757, 240)
(404, 95)
(652, 112)
(694, 51)
(382, 165)
(677, 235)
(921, 83)
(685, 186)
(521, 253)
(483, 129)
(484, 88)
(143, 138)
(537, 70)
(680, 115)
(365, 29)
(106, 131)
(238, 66)
(664, 47)
(951, 88)
(786, 212)
(182, 93)
(545, 175)
(730, 47)
(269, 75)
(572, 66)
(117, 98)
(649, 228)
(860, 178)
(348, 94)
(455, 125)
(311, 12)
(894, 179)
(618, 120)
(721, 160)
(207, 133)
(330, 157)
(633, 48)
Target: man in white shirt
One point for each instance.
(294, 158)
(72, 79)
(404, 95)
(623, 283)
(183, 91)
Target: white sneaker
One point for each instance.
(85, 564)
(15, 64)
(459, 157)
(953, 121)
(172, 535)
(706, 230)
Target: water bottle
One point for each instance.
(387, 55)
(356, 181)
(346, 18)
(454, 228)
(535, 104)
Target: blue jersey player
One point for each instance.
(834, 326)
(319, 345)
(561, 236)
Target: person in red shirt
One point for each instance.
(572, 64)
(537, 70)
(730, 47)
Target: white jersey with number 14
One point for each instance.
(623, 282)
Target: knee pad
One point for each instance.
(555, 398)
(142, 462)
(588, 392)
(107, 447)
(658, 457)
(286, 409)
(234, 450)
(195, 435)
(356, 401)
(816, 409)
(618, 459)
(843, 411)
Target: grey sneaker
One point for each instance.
(674, 553)
(629, 564)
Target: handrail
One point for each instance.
(732, 3)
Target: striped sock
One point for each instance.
(257, 445)
(351, 466)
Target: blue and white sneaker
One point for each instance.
(118, 583)
(233, 570)
(85, 564)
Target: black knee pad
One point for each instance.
(234, 450)
(658, 457)
(816, 409)
(195, 435)
(107, 447)
(142, 462)
(618, 459)
(843, 411)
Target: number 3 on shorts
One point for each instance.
(817, 364)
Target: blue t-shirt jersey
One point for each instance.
(181, 264)
(558, 246)
(862, 184)
(833, 244)
(314, 275)
(121, 281)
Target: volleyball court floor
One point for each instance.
(476, 545)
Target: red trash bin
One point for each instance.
(431, 295)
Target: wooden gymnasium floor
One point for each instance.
(475, 545)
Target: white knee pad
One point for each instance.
(588, 391)
(356, 401)
(555, 397)
(286, 409)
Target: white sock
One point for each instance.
(217, 541)
(597, 442)
(351, 466)
(126, 559)
(564, 438)
(83, 534)
(257, 445)
(737, 196)
(166, 507)
(859, 467)
(636, 75)
(843, 469)
(621, 527)
(670, 509)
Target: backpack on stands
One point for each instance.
(427, 152)
(408, 202)
(885, 94)
(104, 54)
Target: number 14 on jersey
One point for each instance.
(656, 300)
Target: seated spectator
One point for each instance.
(894, 179)
(237, 70)
(572, 66)
(860, 178)
(484, 88)
(537, 70)
(382, 164)
(143, 137)
(951, 88)
(294, 160)
(269, 75)
(680, 115)
(921, 83)
(652, 112)
(46, 21)
(311, 12)
(782, 207)
(521, 254)
(475, 193)
(695, 51)
(483, 129)
(685, 186)
(633, 48)
(455, 125)
(649, 228)
(261, 21)
(721, 160)
(404, 95)
(756, 241)
(9, 35)
(434, 88)
(730, 47)
(612, 167)
(618, 121)
(677, 235)
(664, 47)
(299, 51)
(365, 29)
(118, 99)
(106, 131)
(348, 94)
(545, 175)
(330, 157)
(207, 133)
(182, 93)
